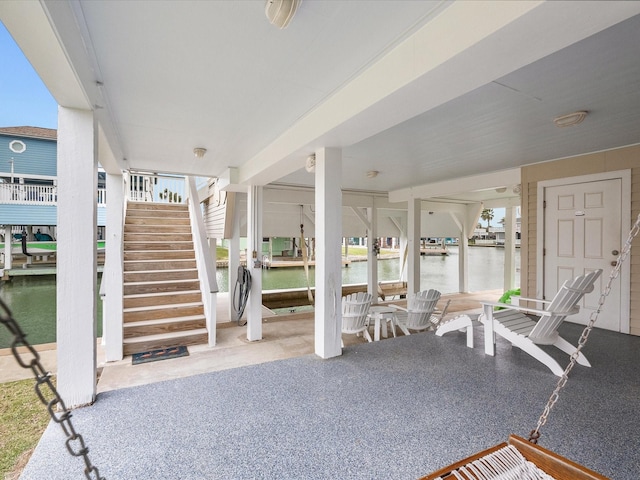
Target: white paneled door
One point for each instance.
(582, 224)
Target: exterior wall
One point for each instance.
(102, 216)
(217, 213)
(38, 159)
(608, 161)
(28, 215)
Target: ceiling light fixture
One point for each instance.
(372, 173)
(501, 189)
(570, 119)
(199, 152)
(310, 164)
(280, 12)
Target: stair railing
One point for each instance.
(204, 259)
(156, 187)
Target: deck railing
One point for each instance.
(153, 187)
(102, 197)
(22, 194)
(141, 187)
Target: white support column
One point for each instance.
(372, 258)
(403, 244)
(213, 297)
(509, 248)
(466, 222)
(328, 301)
(76, 256)
(413, 245)
(8, 257)
(234, 254)
(254, 254)
(112, 321)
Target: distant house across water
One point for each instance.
(28, 184)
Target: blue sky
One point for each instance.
(24, 100)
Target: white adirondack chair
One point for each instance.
(438, 315)
(355, 308)
(526, 333)
(419, 312)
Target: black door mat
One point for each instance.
(162, 354)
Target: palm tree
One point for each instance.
(487, 214)
(171, 197)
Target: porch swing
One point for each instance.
(519, 459)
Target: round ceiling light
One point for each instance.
(280, 12)
(310, 164)
(570, 119)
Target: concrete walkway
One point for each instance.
(284, 336)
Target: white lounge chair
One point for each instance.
(418, 314)
(526, 333)
(438, 315)
(355, 308)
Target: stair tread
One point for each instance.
(160, 321)
(160, 336)
(161, 294)
(151, 308)
(159, 260)
(162, 282)
(173, 250)
(164, 240)
(168, 270)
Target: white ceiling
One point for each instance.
(421, 91)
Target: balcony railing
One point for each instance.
(142, 187)
(153, 187)
(28, 194)
(20, 194)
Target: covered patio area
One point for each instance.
(394, 409)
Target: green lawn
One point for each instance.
(23, 419)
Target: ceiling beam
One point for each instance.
(458, 186)
(425, 76)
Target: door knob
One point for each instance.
(615, 252)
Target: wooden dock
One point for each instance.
(436, 251)
(281, 262)
(297, 297)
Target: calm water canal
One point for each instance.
(33, 299)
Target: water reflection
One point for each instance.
(485, 266)
(33, 299)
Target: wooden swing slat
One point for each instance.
(549, 462)
(553, 464)
(443, 472)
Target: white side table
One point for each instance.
(379, 313)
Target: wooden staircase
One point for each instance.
(162, 300)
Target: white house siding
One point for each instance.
(607, 161)
(215, 215)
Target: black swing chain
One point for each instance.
(47, 392)
(535, 433)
